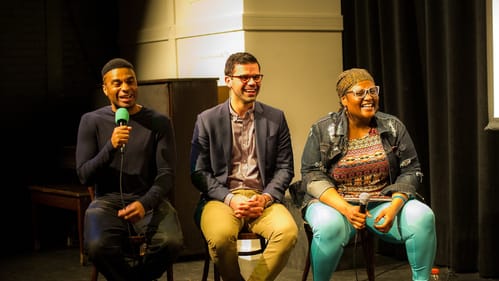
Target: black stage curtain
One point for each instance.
(429, 57)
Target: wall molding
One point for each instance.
(311, 22)
(292, 22)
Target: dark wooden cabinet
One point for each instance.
(182, 100)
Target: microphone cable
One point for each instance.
(133, 240)
(121, 189)
(121, 118)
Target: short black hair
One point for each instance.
(239, 58)
(116, 63)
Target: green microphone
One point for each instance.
(121, 118)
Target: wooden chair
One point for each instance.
(64, 192)
(135, 258)
(65, 196)
(365, 239)
(243, 235)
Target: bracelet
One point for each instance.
(401, 197)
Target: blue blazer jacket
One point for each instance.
(211, 151)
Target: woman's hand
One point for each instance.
(387, 215)
(355, 217)
(351, 212)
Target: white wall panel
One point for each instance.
(205, 56)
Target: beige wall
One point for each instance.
(300, 70)
(297, 42)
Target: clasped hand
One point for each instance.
(248, 207)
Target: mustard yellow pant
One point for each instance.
(220, 229)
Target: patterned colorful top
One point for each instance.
(364, 168)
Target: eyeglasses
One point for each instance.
(245, 78)
(373, 91)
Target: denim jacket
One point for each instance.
(327, 143)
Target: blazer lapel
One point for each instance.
(261, 139)
(226, 133)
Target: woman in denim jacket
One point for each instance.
(360, 150)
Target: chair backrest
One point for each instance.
(91, 191)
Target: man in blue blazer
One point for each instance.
(242, 162)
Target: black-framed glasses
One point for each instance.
(373, 91)
(245, 78)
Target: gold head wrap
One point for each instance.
(350, 77)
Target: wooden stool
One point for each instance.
(72, 197)
(135, 259)
(169, 273)
(367, 242)
(94, 275)
(244, 235)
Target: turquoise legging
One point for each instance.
(414, 226)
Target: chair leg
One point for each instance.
(216, 274)
(95, 274)
(368, 249)
(306, 269)
(367, 241)
(169, 272)
(206, 267)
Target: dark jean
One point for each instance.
(107, 239)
